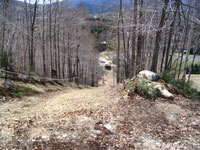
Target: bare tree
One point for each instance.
(189, 43)
(133, 61)
(158, 37)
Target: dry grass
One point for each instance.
(196, 81)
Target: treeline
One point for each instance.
(155, 35)
(49, 40)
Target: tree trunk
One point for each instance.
(193, 59)
(139, 41)
(50, 41)
(158, 38)
(133, 66)
(119, 45)
(32, 58)
(189, 44)
(43, 39)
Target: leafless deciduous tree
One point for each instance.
(49, 40)
(161, 32)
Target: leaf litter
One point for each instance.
(102, 118)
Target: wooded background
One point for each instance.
(158, 36)
(54, 40)
(48, 40)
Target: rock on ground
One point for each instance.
(149, 75)
(164, 92)
(153, 79)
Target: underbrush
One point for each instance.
(143, 89)
(184, 87)
(12, 90)
(195, 69)
(24, 91)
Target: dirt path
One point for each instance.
(53, 103)
(48, 107)
(44, 113)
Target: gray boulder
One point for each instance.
(149, 75)
(164, 92)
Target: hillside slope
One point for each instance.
(97, 119)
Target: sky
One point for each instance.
(40, 1)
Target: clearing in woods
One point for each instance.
(99, 118)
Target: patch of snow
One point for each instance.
(45, 137)
(108, 126)
(93, 135)
(194, 123)
(64, 135)
(97, 131)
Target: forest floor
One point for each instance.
(97, 119)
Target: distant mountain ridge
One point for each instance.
(92, 6)
(98, 6)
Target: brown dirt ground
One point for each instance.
(102, 118)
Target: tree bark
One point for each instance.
(133, 65)
(119, 45)
(158, 38)
(189, 44)
(43, 39)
